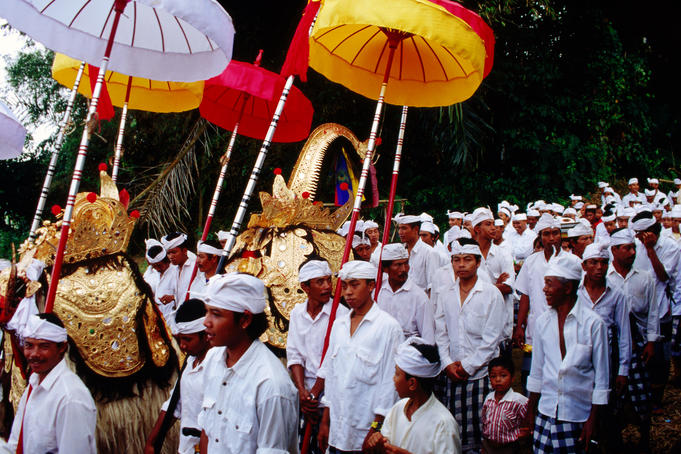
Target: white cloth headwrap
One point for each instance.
(596, 251)
(546, 221)
(579, 205)
(504, 210)
(575, 197)
(223, 235)
(207, 249)
(37, 328)
(643, 224)
(482, 214)
(343, 231)
(394, 251)
(676, 212)
(602, 184)
(567, 266)
(653, 181)
(370, 225)
(357, 269)
(458, 249)
(649, 192)
(411, 361)
(34, 269)
(570, 211)
(236, 292)
(360, 240)
(519, 217)
(623, 236)
(498, 222)
(454, 215)
(406, 219)
(425, 217)
(677, 181)
(160, 256)
(610, 218)
(533, 213)
(633, 181)
(170, 244)
(314, 269)
(427, 226)
(557, 208)
(582, 228)
(192, 327)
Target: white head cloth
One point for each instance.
(677, 181)
(34, 269)
(597, 250)
(582, 228)
(649, 192)
(207, 249)
(667, 214)
(519, 217)
(567, 266)
(160, 256)
(498, 222)
(428, 227)
(394, 251)
(370, 225)
(575, 197)
(570, 211)
(406, 219)
(191, 327)
(458, 249)
(425, 217)
(609, 218)
(579, 205)
(345, 228)
(360, 240)
(633, 181)
(357, 269)
(314, 269)
(482, 214)
(223, 235)
(454, 215)
(236, 292)
(620, 237)
(504, 210)
(546, 221)
(532, 213)
(170, 244)
(643, 224)
(557, 208)
(676, 212)
(37, 328)
(653, 181)
(411, 361)
(602, 184)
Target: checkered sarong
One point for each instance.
(464, 401)
(638, 387)
(676, 336)
(554, 436)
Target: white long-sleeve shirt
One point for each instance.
(189, 404)
(423, 262)
(60, 416)
(522, 244)
(306, 338)
(409, 305)
(249, 407)
(613, 307)
(358, 372)
(182, 275)
(469, 331)
(570, 386)
(497, 262)
(669, 254)
(638, 286)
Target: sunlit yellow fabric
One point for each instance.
(441, 64)
(148, 95)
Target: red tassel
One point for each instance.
(124, 197)
(298, 55)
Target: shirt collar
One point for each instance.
(407, 286)
(51, 377)
(326, 309)
(369, 316)
(242, 366)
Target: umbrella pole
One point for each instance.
(255, 173)
(55, 153)
(119, 6)
(214, 200)
(121, 131)
(391, 198)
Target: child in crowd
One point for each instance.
(503, 410)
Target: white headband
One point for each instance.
(567, 266)
(314, 269)
(192, 327)
(643, 224)
(370, 225)
(633, 181)
(357, 269)
(454, 215)
(546, 221)
(428, 227)
(458, 249)
(236, 292)
(596, 251)
(610, 218)
(582, 228)
(411, 361)
(223, 235)
(425, 217)
(160, 256)
(482, 214)
(519, 217)
(37, 328)
(402, 219)
(498, 222)
(620, 237)
(175, 242)
(360, 240)
(207, 249)
(394, 251)
(533, 213)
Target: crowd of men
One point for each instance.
(423, 365)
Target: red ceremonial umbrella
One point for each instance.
(243, 99)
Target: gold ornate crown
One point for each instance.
(99, 227)
(284, 208)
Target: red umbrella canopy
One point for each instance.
(248, 94)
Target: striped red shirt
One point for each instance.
(501, 420)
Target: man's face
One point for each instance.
(503, 216)
(427, 238)
(207, 262)
(622, 221)
(520, 226)
(666, 222)
(373, 235)
(610, 226)
(408, 233)
(598, 214)
(357, 292)
(624, 254)
(653, 186)
(634, 188)
(556, 292)
(318, 289)
(192, 344)
(580, 243)
(590, 215)
(42, 355)
(550, 238)
(161, 266)
(596, 268)
(363, 252)
(675, 224)
(465, 265)
(177, 255)
(402, 385)
(532, 221)
(222, 328)
(658, 215)
(485, 229)
(453, 222)
(398, 271)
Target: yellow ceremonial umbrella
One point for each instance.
(131, 93)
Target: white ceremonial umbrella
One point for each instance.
(12, 134)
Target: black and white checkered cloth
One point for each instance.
(464, 401)
(554, 436)
(638, 387)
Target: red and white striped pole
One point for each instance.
(121, 131)
(391, 198)
(119, 7)
(56, 149)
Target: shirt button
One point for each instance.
(224, 383)
(219, 412)
(216, 440)
(237, 427)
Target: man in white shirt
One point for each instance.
(469, 323)
(159, 277)
(358, 366)
(634, 197)
(569, 381)
(208, 255)
(401, 298)
(152, 275)
(605, 228)
(190, 334)
(675, 196)
(429, 234)
(307, 328)
(521, 238)
(56, 413)
(249, 402)
(182, 263)
(580, 236)
(372, 232)
(423, 260)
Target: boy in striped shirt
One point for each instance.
(503, 410)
